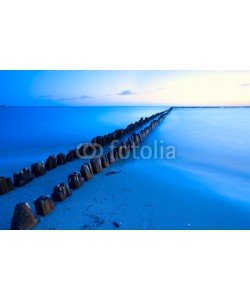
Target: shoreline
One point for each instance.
(140, 127)
(192, 192)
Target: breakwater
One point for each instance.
(45, 204)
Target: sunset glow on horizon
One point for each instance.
(174, 88)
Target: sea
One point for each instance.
(31, 134)
(205, 185)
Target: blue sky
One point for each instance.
(24, 88)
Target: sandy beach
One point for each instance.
(188, 192)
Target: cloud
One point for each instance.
(245, 84)
(126, 93)
(85, 97)
(45, 96)
(75, 98)
(65, 98)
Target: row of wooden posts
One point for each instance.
(27, 175)
(24, 218)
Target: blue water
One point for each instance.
(30, 134)
(213, 145)
(207, 185)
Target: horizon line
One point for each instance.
(157, 105)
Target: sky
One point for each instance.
(76, 88)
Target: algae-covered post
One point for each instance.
(44, 205)
(23, 177)
(23, 217)
(86, 171)
(51, 163)
(61, 192)
(96, 165)
(6, 185)
(38, 169)
(75, 180)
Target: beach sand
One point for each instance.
(189, 192)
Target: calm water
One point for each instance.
(207, 186)
(213, 145)
(30, 134)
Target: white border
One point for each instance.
(132, 34)
(125, 265)
(200, 35)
